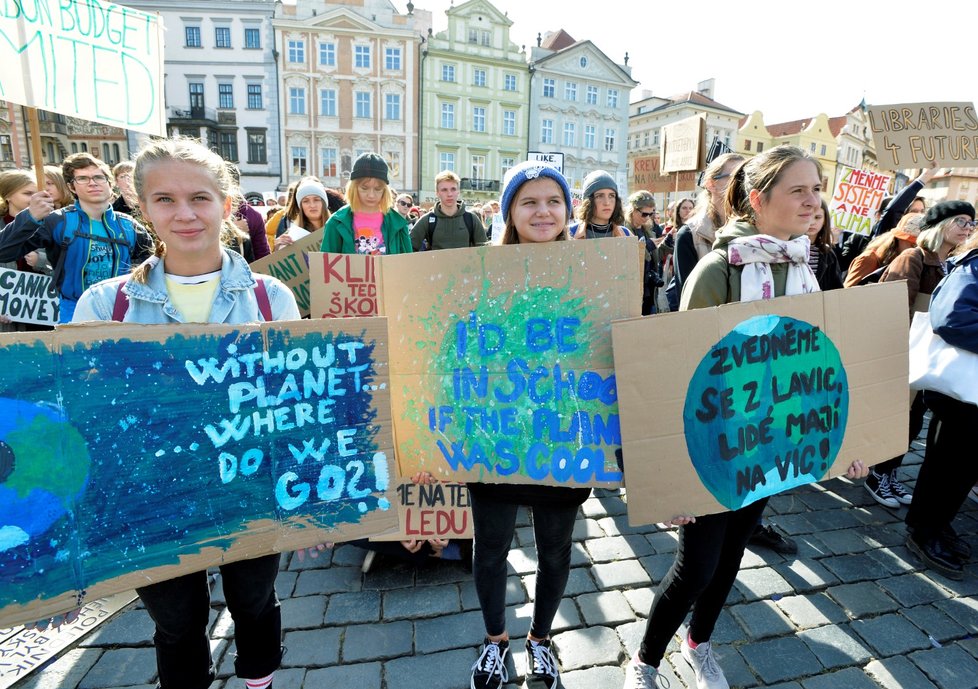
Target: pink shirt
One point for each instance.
(367, 234)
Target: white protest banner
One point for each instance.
(91, 59)
(682, 144)
(858, 193)
(554, 160)
(28, 297)
(917, 134)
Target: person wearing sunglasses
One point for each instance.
(639, 218)
(403, 204)
(86, 242)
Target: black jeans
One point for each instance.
(493, 524)
(949, 469)
(180, 608)
(706, 565)
(917, 410)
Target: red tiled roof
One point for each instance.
(558, 40)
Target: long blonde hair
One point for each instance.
(353, 196)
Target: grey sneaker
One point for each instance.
(638, 675)
(704, 663)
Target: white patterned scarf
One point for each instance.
(757, 252)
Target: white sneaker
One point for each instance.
(638, 675)
(704, 664)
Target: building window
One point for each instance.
(479, 77)
(589, 134)
(225, 96)
(570, 134)
(549, 88)
(655, 137)
(570, 91)
(256, 148)
(507, 163)
(361, 56)
(747, 145)
(591, 97)
(392, 59)
(297, 51)
(327, 102)
(473, 35)
(509, 122)
(446, 161)
(327, 54)
(760, 146)
(300, 160)
(478, 119)
(196, 95)
(609, 139)
(254, 97)
(509, 82)
(612, 98)
(448, 72)
(447, 116)
(547, 131)
(645, 139)
(486, 38)
(329, 158)
(7, 151)
(823, 149)
(227, 145)
(297, 100)
(253, 39)
(222, 37)
(362, 99)
(479, 166)
(192, 35)
(392, 106)
(813, 147)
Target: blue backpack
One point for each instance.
(72, 223)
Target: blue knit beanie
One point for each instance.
(517, 176)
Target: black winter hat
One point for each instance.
(948, 209)
(370, 165)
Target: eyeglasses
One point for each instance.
(646, 215)
(966, 224)
(85, 179)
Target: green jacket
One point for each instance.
(338, 237)
(714, 281)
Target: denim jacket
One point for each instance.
(235, 300)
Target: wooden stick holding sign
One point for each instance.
(759, 397)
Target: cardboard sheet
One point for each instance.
(912, 135)
(345, 285)
(747, 400)
(134, 454)
(438, 510)
(501, 365)
(291, 266)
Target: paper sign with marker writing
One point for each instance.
(28, 297)
(501, 367)
(99, 61)
(437, 510)
(682, 144)
(759, 397)
(918, 134)
(344, 285)
(167, 450)
(858, 193)
(291, 266)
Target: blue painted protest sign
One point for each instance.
(140, 453)
(92, 59)
(501, 369)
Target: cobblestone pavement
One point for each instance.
(855, 609)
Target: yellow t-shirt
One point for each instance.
(193, 296)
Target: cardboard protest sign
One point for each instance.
(682, 144)
(133, 454)
(501, 366)
(756, 398)
(438, 510)
(918, 134)
(28, 297)
(858, 193)
(344, 285)
(99, 61)
(291, 266)
(647, 175)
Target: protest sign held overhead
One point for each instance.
(858, 193)
(291, 266)
(99, 61)
(344, 285)
(760, 397)
(28, 297)
(501, 367)
(682, 145)
(922, 134)
(172, 449)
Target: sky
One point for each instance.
(785, 59)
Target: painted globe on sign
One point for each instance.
(44, 465)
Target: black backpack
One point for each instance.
(433, 220)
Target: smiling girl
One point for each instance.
(183, 192)
(369, 223)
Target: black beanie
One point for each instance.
(370, 165)
(948, 209)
